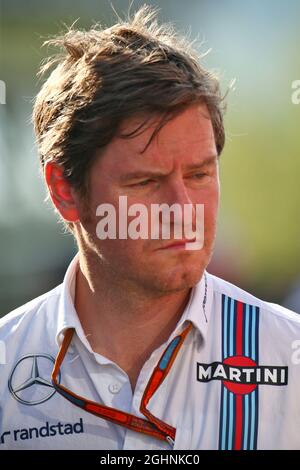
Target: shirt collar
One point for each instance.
(197, 311)
(67, 315)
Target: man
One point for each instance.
(140, 347)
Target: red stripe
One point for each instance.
(239, 398)
(238, 422)
(239, 329)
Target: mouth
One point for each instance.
(177, 245)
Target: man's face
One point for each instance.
(172, 170)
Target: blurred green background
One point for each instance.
(256, 42)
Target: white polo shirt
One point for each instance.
(235, 383)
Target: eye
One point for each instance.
(199, 175)
(199, 179)
(143, 183)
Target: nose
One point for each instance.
(177, 194)
(176, 191)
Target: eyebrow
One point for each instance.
(206, 162)
(148, 173)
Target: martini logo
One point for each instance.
(241, 375)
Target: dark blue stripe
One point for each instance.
(227, 420)
(230, 328)
(234, 332)
(257, 336)
(244, 333)
(250, 420)
(223, 323)
(221, 418)
(256, 417)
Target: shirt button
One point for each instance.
(114, 388)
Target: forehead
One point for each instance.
(188, 136)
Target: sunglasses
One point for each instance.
(152, 426)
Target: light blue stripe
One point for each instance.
(230, 427)
(247, 319)
(224, 416)
(166, 357)
(246, 423)
(253, 318)
(252, 420)
(225, 327)
(229, 316)
(231, 327)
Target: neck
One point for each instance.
(121, 323)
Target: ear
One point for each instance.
(61, 192)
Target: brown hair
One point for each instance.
(105, 76)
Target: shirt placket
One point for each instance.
(136, 440)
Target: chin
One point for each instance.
(180, 280)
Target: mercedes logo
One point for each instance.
(30, 380)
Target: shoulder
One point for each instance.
(265, 331)
(268, 309)
(30, 317)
